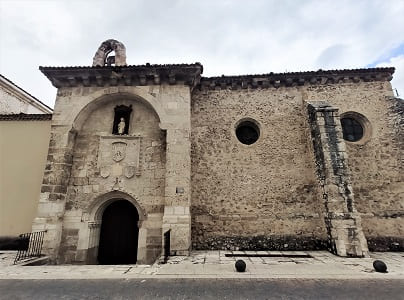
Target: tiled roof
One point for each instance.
(123, 75)
(297, 78)
(147, 65)
(26, 117)
(191, 74)
(318, 72)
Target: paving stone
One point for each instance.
(321, 266)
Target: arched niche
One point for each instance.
(114, 99)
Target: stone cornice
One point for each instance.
(276, 80)
(188, 74)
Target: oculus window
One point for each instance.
(355, 127)
(247, 132)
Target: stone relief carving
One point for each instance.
(117, 184)
(101, 56)
(104, 171)
(119, 157)
(129, 171)
(118, 151)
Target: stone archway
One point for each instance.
(100, 57)
(98, 209)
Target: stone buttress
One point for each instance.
(343, 223)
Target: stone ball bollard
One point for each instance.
(380, 266)
(240, 265)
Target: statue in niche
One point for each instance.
(121, 120)
(121, 127)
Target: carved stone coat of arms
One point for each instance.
(118, 151)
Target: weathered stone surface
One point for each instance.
(262, 243)
(82, 169)
(343, 224)
(264, 189)
(100, 57)
(183, 168)
(256, 190)
(375, 164)
(386, 243)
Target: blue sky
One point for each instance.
(394, 52)
(228, 37)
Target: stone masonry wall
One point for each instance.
(86, 181)
(376, 162)
(81, 177)
(259, 196)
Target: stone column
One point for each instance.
(343, 222)
(177, 216)
(51, 206)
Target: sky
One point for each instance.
(228, 37)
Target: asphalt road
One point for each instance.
(201, 289)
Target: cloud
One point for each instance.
(332, 55)
(398, 76)
(227, 37)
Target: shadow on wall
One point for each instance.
(13, 243)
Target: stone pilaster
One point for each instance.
(51, 206)
(343, 223)
(177, 216)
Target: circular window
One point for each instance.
(355, 127)
(247, 132)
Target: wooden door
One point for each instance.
(119, 234)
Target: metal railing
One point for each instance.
(29, 245)
(167, 235)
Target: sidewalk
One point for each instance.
(214, 264)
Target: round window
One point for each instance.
(247, 132)
(355, 127)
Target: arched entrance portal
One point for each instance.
(119, 234)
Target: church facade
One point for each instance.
(292, 161)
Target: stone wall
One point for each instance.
(94, 172)
(81, 178)
(375, 162)
(265, 195)
(259, 196)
